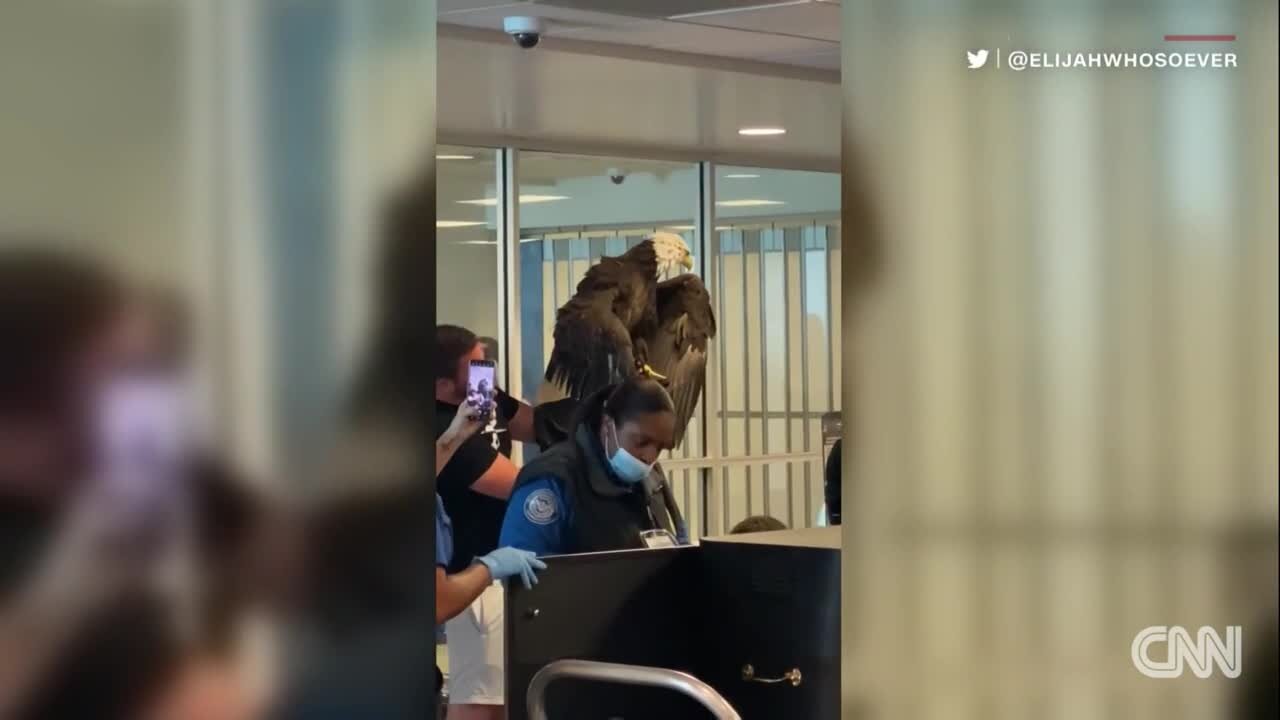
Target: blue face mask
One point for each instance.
(627, 467)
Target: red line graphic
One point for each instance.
(1199, 38)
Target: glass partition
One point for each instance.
(771, 264)
(775, 269)
(575, 210)
(468, 254)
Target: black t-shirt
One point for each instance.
(25, 531)
(477, 519)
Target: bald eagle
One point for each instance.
(623, 321)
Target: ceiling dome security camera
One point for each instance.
(526, 31)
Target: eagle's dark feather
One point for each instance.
(593, 333)
(619, 316)
(677, 346)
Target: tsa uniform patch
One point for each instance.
(540, 507)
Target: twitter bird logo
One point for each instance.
(977, 59)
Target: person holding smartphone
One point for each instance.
(474, 486)
(456, 592)
(84, 629)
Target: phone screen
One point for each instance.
(481, 389)
(140, 444)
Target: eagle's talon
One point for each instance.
(651, 373)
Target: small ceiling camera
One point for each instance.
(526, 31)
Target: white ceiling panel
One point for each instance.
(700, 39)
(798, 33)
(819, 21)
(655, 9)
(558, 20)
(494, 93)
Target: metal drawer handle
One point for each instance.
(791, 676)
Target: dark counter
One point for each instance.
(771, 600)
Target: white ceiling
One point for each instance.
(493, 93)
(800, 33)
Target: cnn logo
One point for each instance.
(1202, 652)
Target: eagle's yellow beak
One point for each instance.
(687, 262)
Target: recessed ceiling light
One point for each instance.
(458, 223)
(749, 203)
(741, 176)
(475, 242)
(530, 199)
(455, 157)
(762, 131)
(680, 227)
(524, 200)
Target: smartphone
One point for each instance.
(140, 444)
(481, 390)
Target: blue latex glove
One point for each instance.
(509, 562)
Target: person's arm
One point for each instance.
(455, 593)
(537, 516)
(73, 579)
(499, 479)
(446, 446)
(464, 425)
(475, 465)
(520, 418)
(521, 425)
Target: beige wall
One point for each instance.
(91, 140)
(1065, 374)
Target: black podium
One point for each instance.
(755, 616)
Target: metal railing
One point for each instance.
(680, 682)
(713, 505)
(699, 463)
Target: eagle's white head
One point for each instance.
(672, 253)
